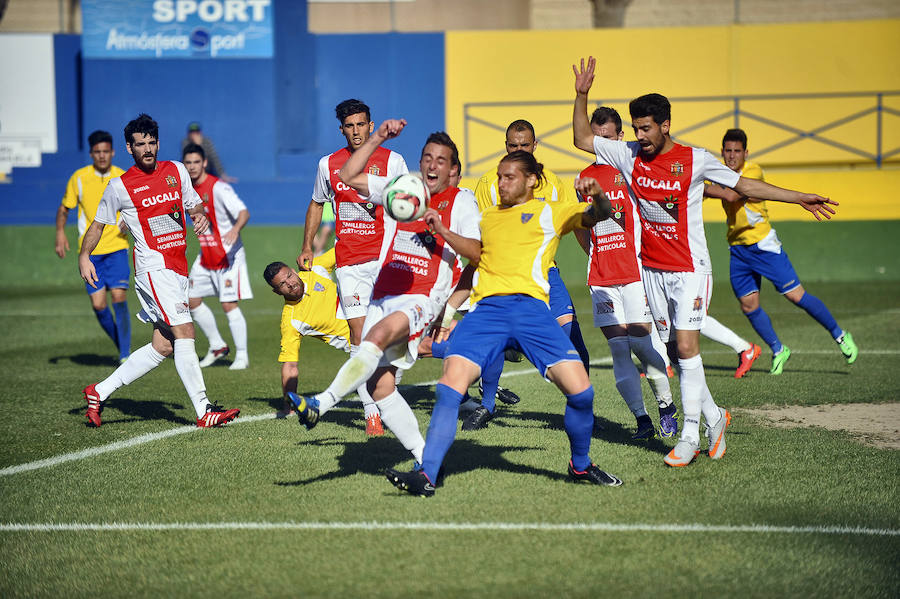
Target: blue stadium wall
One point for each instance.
(271, 119)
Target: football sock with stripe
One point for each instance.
(573, 332)
(441, 429)
(654, 366)
(490, 380)
(188, 367)
(628, 380)
(238, 325)
(718, 332)
(105, 318)
(205, 319)
(139, 363)
(692, 379)
(762, 324)
(399, 418)
(123, 328)
(817, 309)
(579, 423)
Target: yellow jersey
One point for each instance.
(551, 189)
(748, 222)
(318, 314)
(518, 245)
(85, 188)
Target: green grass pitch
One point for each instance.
(265, 508)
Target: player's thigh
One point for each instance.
(658, 301)
(537, 334)
(202, 281)
(779, 270)
(355, 283)
(608, 306)
(401, 321)
(234, 281)
(561, 304)
(689, 294)
(113, 271)
(569, 376)
(163, 295)
(741, 273)
(483, 334)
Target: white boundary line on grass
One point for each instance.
(445, 526)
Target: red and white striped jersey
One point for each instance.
(359, 223)
(414, 260)
(222, 206)
(616, 241)
(669, 192)
(153, 206)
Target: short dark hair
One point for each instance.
(528, 163)
(98, 137)
(273, 269)
(521, 125)
(735, 135)
(605, 114)
(193, 149)
(443, 139)
(652, 105)
(350, 107)
(142, 124)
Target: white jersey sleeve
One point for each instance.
(465, 220)
(229, 199)
(376, 187)
(189, 197)
(619, 154)
(713, 170)
(109, 205)
(396, 165)
(322, 191)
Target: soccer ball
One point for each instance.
(406, 197)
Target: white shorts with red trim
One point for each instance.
(355, 283)
(620, 304)
(678, 300)
(230, 284)
(421, 312)
(164, 297)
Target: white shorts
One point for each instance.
(620, 304)
(678, 300)
(421, 312)
(164, 297)
(355, 283)
(230, 284)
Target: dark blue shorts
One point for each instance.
(519, 321)
(560, 300)
(112, 270)
(749, 264)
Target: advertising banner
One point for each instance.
(177, 28)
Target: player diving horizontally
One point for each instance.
(519, 237)
(419, 268)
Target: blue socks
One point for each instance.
(762, 324)
(815, 308)
(123, 329)
(105, 318)
(573, 332)
(579, 423)
(442, 429)
(490, 380)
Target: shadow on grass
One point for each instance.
(88, 360)
(137, 410)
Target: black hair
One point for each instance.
(193, 149)
(521, 125)
(98, 137)
(652, 105)
(527, 162)
(142, 124)
(273, 269)
(605, 114)
(735, 135)
(441, 138)
(350, 107)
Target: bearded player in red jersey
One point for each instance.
(359, 228)
(153, 198)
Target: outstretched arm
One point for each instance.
(353, 171)
(754, 188)
(581, 126)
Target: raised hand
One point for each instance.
(391, 128)
(584, 76)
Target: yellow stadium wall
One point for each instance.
(493, 78)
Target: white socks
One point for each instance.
(628, 381)
(695, 398)
(719, 333)
(368, 403)
(238, 326)
(398, 416)
(139, 363)
(188, 366)
(206, 320)
(355, 372)
(654, 366)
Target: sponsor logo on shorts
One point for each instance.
(605, 308)
(662, 323)
(526, 216)
(182, 308)
(352, 300)
(573, 352)
(698, 303)
(228, 283)
(171, 181)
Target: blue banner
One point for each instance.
(177, 28)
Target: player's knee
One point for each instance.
(581, 400)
